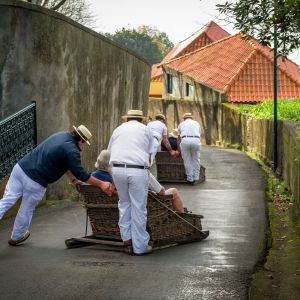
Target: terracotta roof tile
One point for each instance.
(288, 66)
(209, 33)
(242, 68)
(216, 32)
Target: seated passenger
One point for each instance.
(172, 140)
(155, 186)
(103, 171)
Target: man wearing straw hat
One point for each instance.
(189, 142)
(130, 147)
(59, 154)
(159, 131)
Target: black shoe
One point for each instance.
(21, 240)
(191, 182)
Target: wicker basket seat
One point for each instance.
(171, 169)
(164, 226)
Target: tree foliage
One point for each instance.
(146, 41)
(158, 37)
(258, 18)
(78, 10)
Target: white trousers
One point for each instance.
(132, 186)
(190, 151)
(19, 184)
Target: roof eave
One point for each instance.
(198, 81)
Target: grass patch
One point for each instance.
(287, 109)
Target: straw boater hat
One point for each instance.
(84, 133)
(174, 133)
(160, 116)
(134, 114)
(188, 115)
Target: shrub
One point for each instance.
(287, 109)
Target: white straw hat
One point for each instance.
(84, 133)
(174, 133)
(136, 114)
(187, 115)
(160, 116)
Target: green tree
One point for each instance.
(258, 18)
(160, 38)
(146, 41)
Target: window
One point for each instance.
(169, 84)
(189, 90)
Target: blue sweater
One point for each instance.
(173, 143)
(53, 158)
(102, 175)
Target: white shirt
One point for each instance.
(158, 128)
(189, 127)
(131, 143)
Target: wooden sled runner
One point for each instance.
(165, 227)
(171, 169)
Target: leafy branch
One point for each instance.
(258, 18)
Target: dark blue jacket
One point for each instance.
(102, 175)
(53, 158)
(173, 143)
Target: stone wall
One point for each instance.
(256, 135)
(290, 158)
(75, 75)
(233, 128)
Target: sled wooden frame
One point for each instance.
(171, 169)
(165, 227)
(77, 242)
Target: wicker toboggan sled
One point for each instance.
(171, 169)
(165, 227)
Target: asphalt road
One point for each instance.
(232, 200)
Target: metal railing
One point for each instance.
(18, 136)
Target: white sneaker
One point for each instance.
(149, 250)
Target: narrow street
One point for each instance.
(232, 201)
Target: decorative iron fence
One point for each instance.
(18, 136)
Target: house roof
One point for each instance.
(209, 33)
(238, 67)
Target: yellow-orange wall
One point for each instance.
(155, 88)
